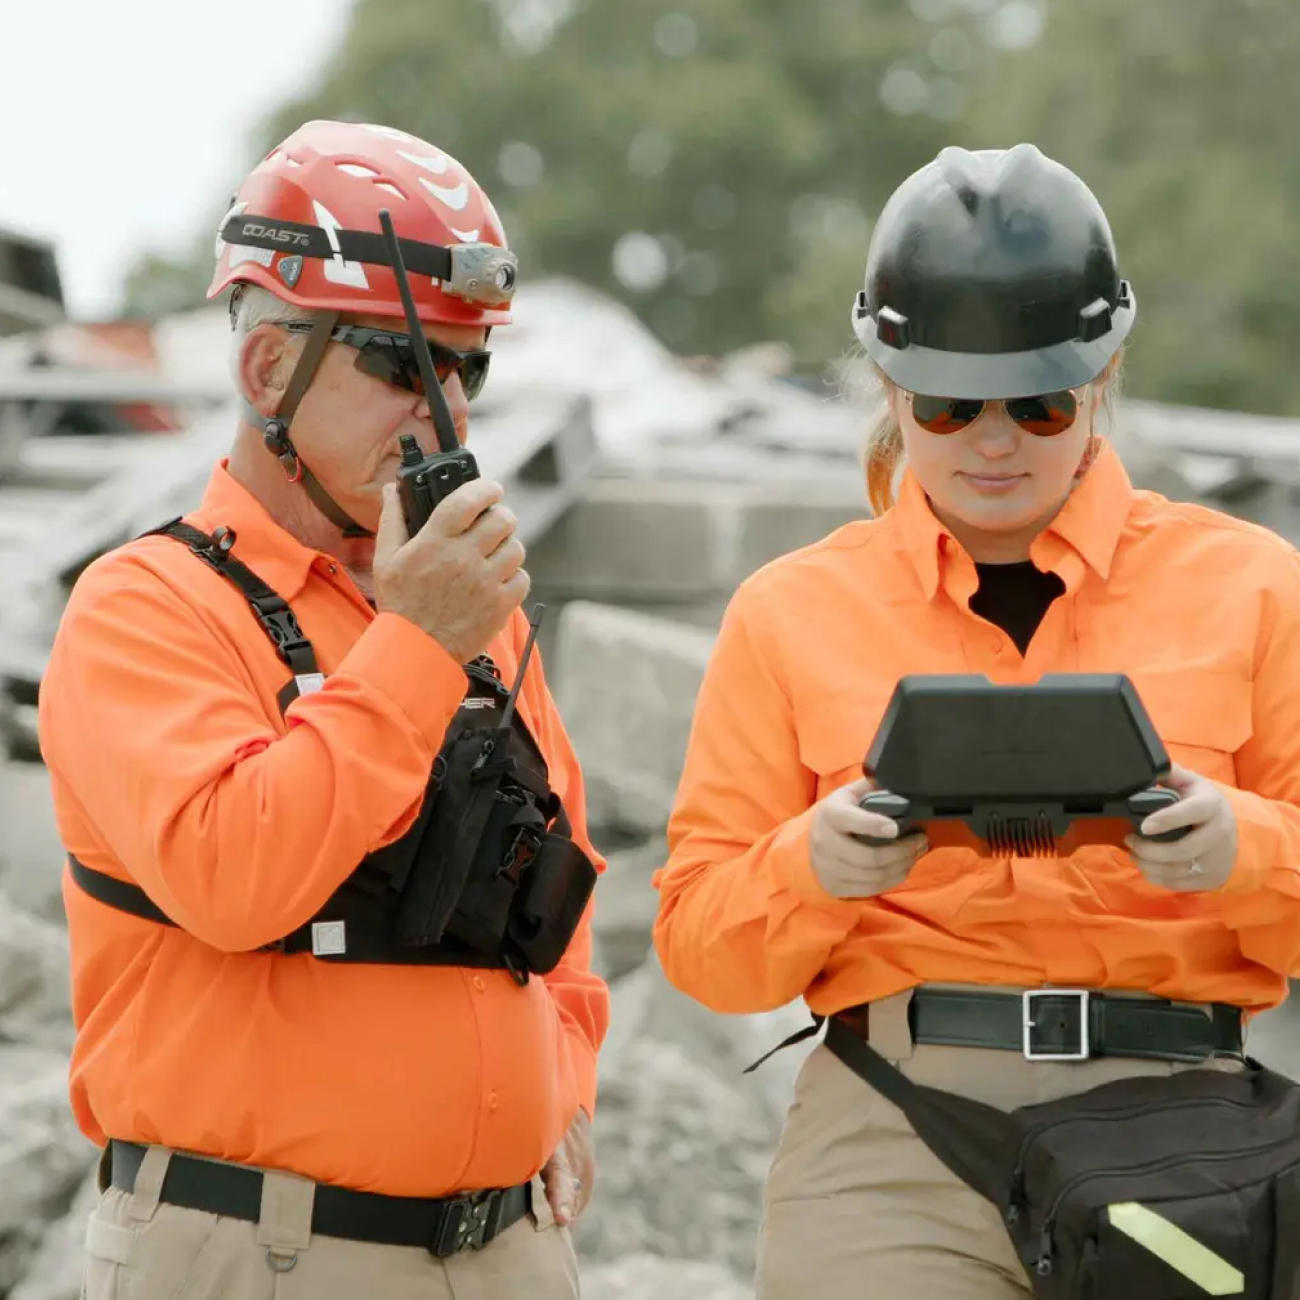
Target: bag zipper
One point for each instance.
(1135, 1108)
(1043, 1265)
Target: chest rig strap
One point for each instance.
(280, 625)
(272, 611)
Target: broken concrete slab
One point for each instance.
(626, 906)
(655, 539)
(626, 686)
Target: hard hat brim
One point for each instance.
(992, 376)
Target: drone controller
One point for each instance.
(1018, 771)
(423, 481)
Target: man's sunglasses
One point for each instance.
(390, 357)
(1044, 416)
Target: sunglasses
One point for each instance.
(382, 354)
(1044, 416)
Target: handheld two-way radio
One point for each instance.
(1018, 771)
(423, 481)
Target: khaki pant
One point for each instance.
(858, 1207)
(140, 1249)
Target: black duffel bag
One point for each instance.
(1171, 1188)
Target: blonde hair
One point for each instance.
(882, 451)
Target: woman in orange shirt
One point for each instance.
(1015, 547)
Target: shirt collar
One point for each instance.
(270, 551)
(1089, 524)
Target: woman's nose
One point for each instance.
(995, 433)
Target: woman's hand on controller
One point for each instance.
(847, 868)
(1205, 856)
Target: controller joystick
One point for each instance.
(885, 804)
(1146, 802)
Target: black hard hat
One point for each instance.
(992, 274)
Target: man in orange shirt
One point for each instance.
(279, 733)
(1016, 548)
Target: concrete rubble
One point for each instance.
(650, 1277)
(35, 1006)
(44, 1159)
(30, 853)
(628, 903)
(683, 1138)
(54, 1272)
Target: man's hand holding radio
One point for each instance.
(847, 868)
(462, 576)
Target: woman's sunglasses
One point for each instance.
(1043, 416)
(390, 357)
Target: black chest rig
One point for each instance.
(488, 875)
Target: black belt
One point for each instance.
(1066, 1024)
(443, 1226)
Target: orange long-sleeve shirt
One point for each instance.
(171, 766)
(1202, 611)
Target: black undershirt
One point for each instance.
(1015, 597)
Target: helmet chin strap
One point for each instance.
(275, 428)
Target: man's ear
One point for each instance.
(264, 362)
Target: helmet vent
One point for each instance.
(363, 172)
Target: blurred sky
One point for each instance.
(124, 124)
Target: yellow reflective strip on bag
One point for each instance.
(1181, 1251)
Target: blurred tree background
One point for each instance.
(716, 164)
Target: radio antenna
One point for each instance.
(443, 425)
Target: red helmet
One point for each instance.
(305, 226)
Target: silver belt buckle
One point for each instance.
(1028, 999)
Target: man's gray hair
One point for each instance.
(255, 306)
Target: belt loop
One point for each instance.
(888, 1027)
(148, 1183)
(284, 1223)
(1230, 1029)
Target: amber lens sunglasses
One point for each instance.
(1044, 416)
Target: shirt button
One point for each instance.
(493, 1101)
(480, 983)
